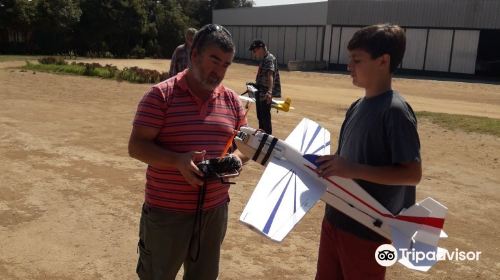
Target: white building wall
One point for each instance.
(346, 36)
(272, 42)
(301, 44)
(464, 55)
(319, 43)
(241, 41)
(300, 32)
(290, 43)
(438, 50)
(415, 49)
(334, 45)
(326, 43)
(247, 41)
(311, 41)
(280, 52)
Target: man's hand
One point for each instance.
(238, 159)
(185, 163)
(335, 165)
(242, 157)
(269, 97)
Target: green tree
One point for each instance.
(54, 24)
(205, 8)
(115, 26)
(16, 23)
(226, 4)
(170, 22)
(99, 27)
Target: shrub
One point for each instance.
(139, 75)
(132, 74)
(138, 52)
(52, 60)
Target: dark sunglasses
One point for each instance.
(208, 29)
(218, 28)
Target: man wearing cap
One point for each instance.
(267, 82)
(180, 57)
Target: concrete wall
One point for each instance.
(442, 50)
(281, 15)
(287, 43)
(442, 35)
(459, 14)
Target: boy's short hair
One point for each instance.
(381, 39)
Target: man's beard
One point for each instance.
(209, 83)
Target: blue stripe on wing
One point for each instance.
(311, 141)
(282, 178)
(321, 147)
(270, 221)
(303, 140)
(295, 194)
(311, 158)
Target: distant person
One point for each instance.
(178, 123)
(180, 58)
(378, 147)
(267, 82)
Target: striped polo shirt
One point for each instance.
(186, 124)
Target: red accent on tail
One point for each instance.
(429, 221)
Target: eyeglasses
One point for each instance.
(207, 29)
(218, 28)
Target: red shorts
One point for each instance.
(343, 255)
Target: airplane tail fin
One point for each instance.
(284, 105)
(428, 215)
(417, 233)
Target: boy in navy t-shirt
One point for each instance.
(378, 147)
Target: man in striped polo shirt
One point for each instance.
(179, 122)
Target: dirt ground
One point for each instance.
(70, 196)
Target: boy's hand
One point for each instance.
(334, 165)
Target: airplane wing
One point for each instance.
(282, 105)
(247, 99)
(282, 196)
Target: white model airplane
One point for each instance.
(290, 186)
(275, 103)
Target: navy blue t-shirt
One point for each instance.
(378, 131)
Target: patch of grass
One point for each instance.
(133, 74)
(466, 123)
(103, 73)
(56, 68)
(139, 75)
(84, 69)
